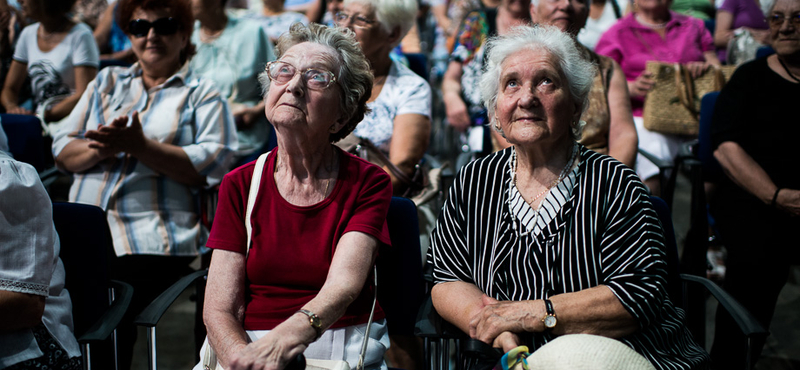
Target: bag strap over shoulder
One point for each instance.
(255, 183)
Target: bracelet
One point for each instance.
(775, 197)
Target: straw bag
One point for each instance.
(209, 360)
(673, 105)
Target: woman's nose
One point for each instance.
(295, 85)
(527, 98)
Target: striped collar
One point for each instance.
(533, 221)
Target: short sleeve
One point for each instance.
(633, 254)
(77, 118)
(215, 141)
(729, 121)
(706, 40)
(729, 6)
(84, 49)
(372, 204)
(228, 230)
(609, 45)
(27, 36)
(29, 238)
(415, 96)
(449, 252)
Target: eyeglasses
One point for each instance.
(776, 20)
(358, 21)
(162, 26)
(314, 78)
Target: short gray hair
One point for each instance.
(579, 72)
(354, 77)
(393, 13)
(588, 2)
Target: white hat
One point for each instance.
(587, 352)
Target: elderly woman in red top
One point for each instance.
(318, 218)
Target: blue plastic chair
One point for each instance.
(25, 140)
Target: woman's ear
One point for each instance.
(394, 36)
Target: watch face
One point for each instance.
(315, 321)
(550, 321)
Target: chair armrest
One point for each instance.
(48, 176)
(660, 163)
(431, 325)
(102, 328)
(152, 313)
(749, 326)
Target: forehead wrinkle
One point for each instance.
(326, 58)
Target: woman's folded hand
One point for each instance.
(498, 317)
(274, 350)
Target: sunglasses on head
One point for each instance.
(162, 26)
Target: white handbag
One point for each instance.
(210, 357)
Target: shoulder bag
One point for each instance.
(421, 187)
(210, 357)
(673, 105)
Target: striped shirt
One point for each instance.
(596, 227)
(149, 213)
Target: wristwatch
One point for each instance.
(314, 321)
(549, 318)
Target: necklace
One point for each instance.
(555, 182)
(787, 70)
(648, 24)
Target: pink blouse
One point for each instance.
(632, 44)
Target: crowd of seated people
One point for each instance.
(548, 94)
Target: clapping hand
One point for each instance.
(118, 137)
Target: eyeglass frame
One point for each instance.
(302, 73)
(772, 20)
(152, 26)
(355, 19)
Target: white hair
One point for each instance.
(588, 2)
(578, 71)
(392, 14)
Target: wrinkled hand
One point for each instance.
(497, 317)
(19, 110)
(246, 117)
(457, 115)
(789, 201)
(118, 137)
(696, 69)
(507, 341)
(272, 352)
(641, 85)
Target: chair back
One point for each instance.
(86, 250)
(25, 141)
(705, 153)
(400, 282)
(418, 62)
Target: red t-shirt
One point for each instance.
(293, 246)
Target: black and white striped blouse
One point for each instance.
(596, 227)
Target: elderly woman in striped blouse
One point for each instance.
(547, 238)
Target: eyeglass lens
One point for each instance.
(358, 21)
(776, 20)
(315, 79)
(162, 26)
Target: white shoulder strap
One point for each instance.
(255, 182)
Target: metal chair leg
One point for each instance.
(151, 346)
